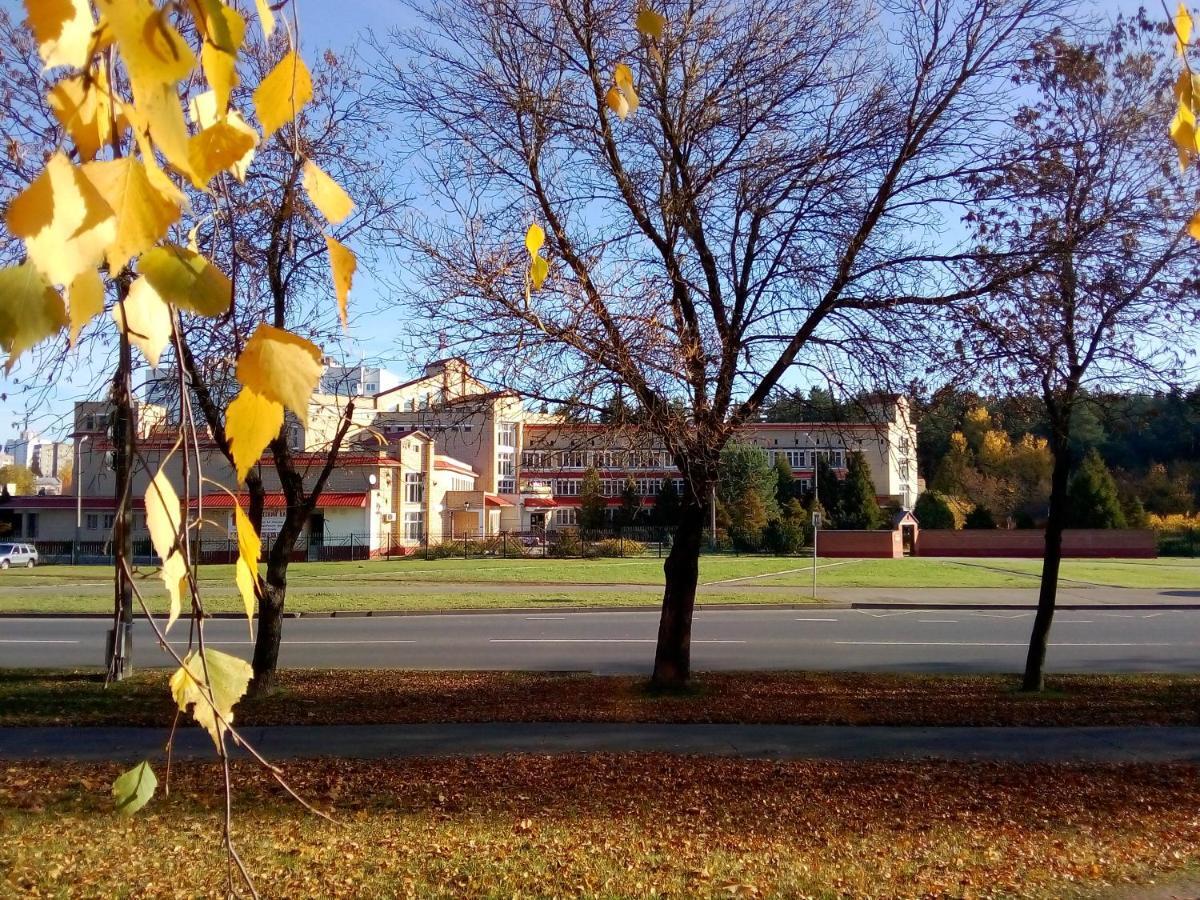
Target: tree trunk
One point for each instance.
(119, 656)
(270, 623)
(672, 658)
(1034, 680)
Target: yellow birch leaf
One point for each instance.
(242, 166)
(220, 62)
(343, 262)
(1183, 133)
(214, 24)
(144, 212)
(650, 23)
(210, 686)
(218, 148)
(326, 194)
(174, 574)
(158, 114)
(281, 367)
(65, 221)
(154, 53)
(281, 95)
(1183, 28)
(85, 301)
(535, 238)
(30, 310)
(623, 76)
(616, 102)
(63, 31)
(146, 318)
(251, 422)
(162, 514)
(266, 18)
(246, 573)
(202, 109)
(186, 279)
(84, 108)
(1193, 227)
(538, 272)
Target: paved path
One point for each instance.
(930, 639)
(1107, 745)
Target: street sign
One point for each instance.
(816, 520)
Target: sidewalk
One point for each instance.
(1096, 745)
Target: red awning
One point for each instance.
(493, 500)
(540, 503)
(329, 500)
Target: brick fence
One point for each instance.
(1082, 543)
(874, 544)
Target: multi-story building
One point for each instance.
(443, 456)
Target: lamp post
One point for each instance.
(78, 498)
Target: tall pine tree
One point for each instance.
(1092, 500)
(591, 501)
(858, 507)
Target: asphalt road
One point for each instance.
(926, 640)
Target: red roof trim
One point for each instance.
(329, 500)
(539, 502)
(496, 500)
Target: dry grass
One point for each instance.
(807, 698)
(610, 826)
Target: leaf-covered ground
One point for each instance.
(375, 697)
(610, 826)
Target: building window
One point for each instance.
(795, 458)
(414, 487)
(566, 517)
(679, 483)
(414, 526)
(507, 434)
(567, 487)
(109, 520)
(31, 525)
(92, 522)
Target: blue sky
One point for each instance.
(373, 332)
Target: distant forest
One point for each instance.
(1150, 442)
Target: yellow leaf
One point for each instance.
(154, 53)
(219, 147)
(1183, 28)
(162, 514)
(1194, 226)
(159, 115)
(85, 301)
(623, 76)
(174, 574)
(63, 31)
(538, 272)
(251, 422)
(281, 95)
(650, 23)
(203, 110)
(242, 166)
(1183, 133)
(30, 310)
(143, 211)
(211, 685)
(84, 108)
(344, 262)
(281, 367)
(220, 62)
(249, 550)
(266, 18)
(145, 317)
(187, 279)
(65, 221)
(535, 238)
(326, 194)
(616, 102)
(216, 26)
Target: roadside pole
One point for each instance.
(816, 523)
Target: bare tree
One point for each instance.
(1091, 196)
(271, 240)
(778, 194)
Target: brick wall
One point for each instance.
(874, 544)
(1083, 543)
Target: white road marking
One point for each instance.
(31, 641)
(592, 641)
(544, 618)
(996, 644)
(907, 612)
(818, 620)
(843, 562)
(937, 621)
(1151, 615)
(1119, 615)
(1074, 621)
(999, 616)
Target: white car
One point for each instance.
(18, 555)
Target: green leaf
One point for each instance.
(227, 678)
(134, 789)
(186, 279)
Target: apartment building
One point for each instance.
(438, 457)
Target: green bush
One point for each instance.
(980, 518)
(932, 511)
(616, 547)
(784, 537)
(564, 544)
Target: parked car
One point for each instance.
(18, 555)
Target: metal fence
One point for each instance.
(566, 543)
